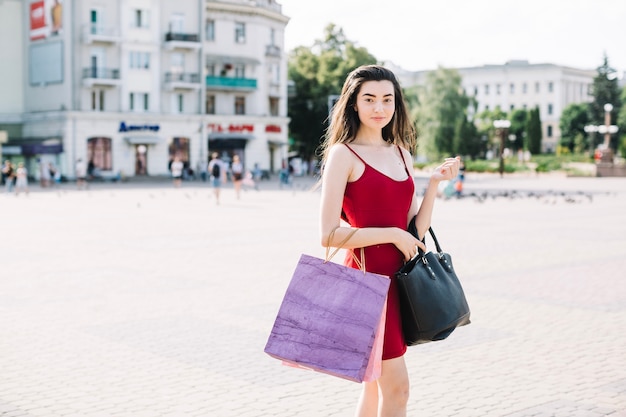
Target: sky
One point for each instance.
(422, 35)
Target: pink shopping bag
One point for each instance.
(329, 319)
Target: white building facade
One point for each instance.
(521, 85)
(131, 84)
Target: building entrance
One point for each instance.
(141, 160)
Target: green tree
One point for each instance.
(519, 118)
(621, 123)
(467, 141)
(572, 124)
(317, 73)
(533, 131)
(487, 131)
(441, 114)
(605, 90)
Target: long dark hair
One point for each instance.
(344, 121)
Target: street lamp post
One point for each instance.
(607, 129)
(502, 127)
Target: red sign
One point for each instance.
(214, 127)
(272, 128)
(38, 27)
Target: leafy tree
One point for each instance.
(621, 123)
(533, 131)
(486, 130)
(572, 124)
(467, 141)
(519, 118)
(441, 114)
(605, 90)
(317, 73)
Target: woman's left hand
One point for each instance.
(448, 170)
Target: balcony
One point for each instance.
(190, 41)
(272, 50)
(95, 33)
(230, 84)
(182, 81)
(93, 76)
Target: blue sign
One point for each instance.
(137, 128)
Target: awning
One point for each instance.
(230, 136)
(230, 59)
(33, 146)
(142, 140)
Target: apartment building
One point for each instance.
(130, 84)
(522, 85)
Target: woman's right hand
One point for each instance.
(407, 244)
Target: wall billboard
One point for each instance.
(46, 19)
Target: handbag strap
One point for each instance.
(359, 263)
(432, 234)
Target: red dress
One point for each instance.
(375, 200)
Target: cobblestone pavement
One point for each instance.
(144, 300)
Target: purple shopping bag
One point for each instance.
(329, 318)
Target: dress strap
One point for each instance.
(406, 168)
(354, 152)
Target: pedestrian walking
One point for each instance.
(177, 171)
(236, 168)
(367, 181)
(81, 174)
(21, 179)
(8, 173)
(44, 174)
(218, 175)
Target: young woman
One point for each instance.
(367, 181)
(237, 170)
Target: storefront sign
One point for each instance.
(218, 128)
(272, 128)
(137, 128)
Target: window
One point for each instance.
(177, 23)
(537, 87)
(210, 70)
(179, 148)
(274, 109)
(240, 32)
(272, 36)
(99, 152)
(240, 105)
(275, 74)
(486, 89)
(139, 102)
(141, 18)
(209, 30)
(139, 60)
(512, 88)
(240, 71)
(180, 100)
(550, 87)
(498, 89)
(549, 132)
(475, 91)
(177, 63)
(550, 110)
(209, 107)
(97, 100)
(511, 107)
(524, 88)
(95, 17)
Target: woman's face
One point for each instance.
(376, 103)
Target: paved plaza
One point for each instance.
(141, 300)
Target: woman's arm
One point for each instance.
(335, 176)
(446, 171)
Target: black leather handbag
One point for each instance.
(432, 301)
